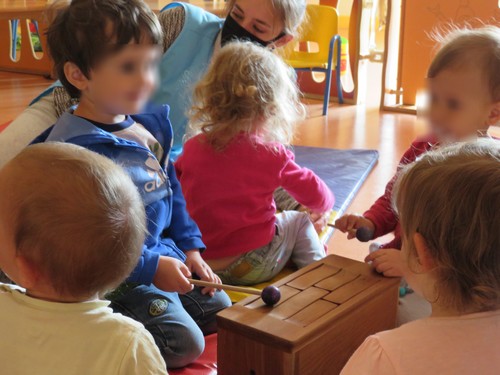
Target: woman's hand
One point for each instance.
(198, 266)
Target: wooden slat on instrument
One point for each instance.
(337, 280)
(297, 303)
(312, 277)
(312, 312)
(349, 290)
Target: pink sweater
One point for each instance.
(229, 193)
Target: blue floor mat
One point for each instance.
(344, 171)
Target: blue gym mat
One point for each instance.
(344, 171)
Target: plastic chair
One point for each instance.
(321, 27)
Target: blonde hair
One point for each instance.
(246, 89)
(290, 12)
(451, 196)
(472, 48)
(76, 216)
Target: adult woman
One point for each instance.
(191, 36)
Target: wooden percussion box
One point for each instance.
(326, 311)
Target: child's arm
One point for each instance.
(369, 358)
(380, 217)
(166, 271)
(186, 234)
(303, 185)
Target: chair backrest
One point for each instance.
(320, 25)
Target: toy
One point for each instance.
(363, 234)
(270, 294)
(326, 311)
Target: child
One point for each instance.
(247, 105)
(66, 215)
(106, 53)
(191, 36)
(464, 90)
(448, 203)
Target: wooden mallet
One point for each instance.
(270, 294)
(363, 234)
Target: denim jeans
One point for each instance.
(176, 322)
(295, 240)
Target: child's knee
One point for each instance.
(181, 349)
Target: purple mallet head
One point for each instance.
(364, 234)
(271, 295)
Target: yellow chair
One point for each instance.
(321, 27)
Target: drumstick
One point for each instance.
(270, 294)
(234, 288)
(363, 234)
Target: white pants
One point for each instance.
(295, 239)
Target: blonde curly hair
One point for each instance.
(246, 89)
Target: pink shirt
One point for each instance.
(229, 193)
(468, 344)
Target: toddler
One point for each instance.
(245, 111)
(448, 203)
(106, 53)
(464, 91)
(66, 215)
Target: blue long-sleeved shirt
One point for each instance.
(171, 231)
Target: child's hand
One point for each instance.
(348, 223)
(197, 265)
(389, 262)
(319, 220)
(171, 276)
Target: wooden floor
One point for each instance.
(345, 127)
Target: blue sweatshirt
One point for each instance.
(181, 67)
(171, 231)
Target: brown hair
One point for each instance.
(451, 196)
(247, 89)
(76, 216)
(476, 49)
(290, 12)
(80, 33)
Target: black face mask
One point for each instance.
(231, 30)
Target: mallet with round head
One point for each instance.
(270, 294)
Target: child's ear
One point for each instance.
(283, 40)
(494, 116)
(424, 258)
(27, 273)
(75, 76)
